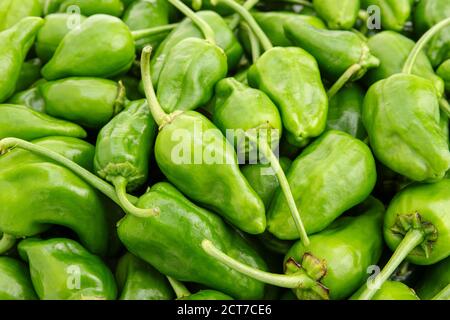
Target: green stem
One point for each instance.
(180, 290)
(254, 43)
(93, 180)
(409, 64)
(444, 294)
(345, 77)
(412, 239)
(7, 241)
(205, 28)
(249, 4)
(445, 107)
(245, 14)
(139, 34)
(279, 280)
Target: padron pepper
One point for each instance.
(393, 13)
(85, 7)
(435, 283)
(29, 74)
(444, 72)
(338, 14)
(333, 265)
(183, 293)
(62, 269)
(12, 11)
(393, 290)
(30, 98)
(15, 281)
(16, 41)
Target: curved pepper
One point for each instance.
(338, 14)
(435, 282)
(85, 7)
(29, 74)
(393, 290)
(444, 72)
(15, 281)
(330, 176)
(394, 13)
(16, 42)
(137, 280)
(32, 99)
(61, 269)
(25, 123)
(12, 11)
(89, 102)
(102, 46)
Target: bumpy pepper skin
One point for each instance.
(61, 269)
(102, 46)
(32, 99)
(224, 36)
(392, 49)
(174, 237)
(137, 280)
(432, 203)
(124, 145)
(208, 295)
(444, 73)
(55, 27)
(291, 78)
(16, 42)
(24, 123)
(393, 290)
(12, 11)
(435, 278)
(345, 111)
(90, 102)
(15, 282)
(216, 181)
(187, 79)
(344, 251)
(420, 154)
(69, 201)
(331, 175)
(29, 74)
(335, 50)
(338, 14)
(91, 7)
(394, 13)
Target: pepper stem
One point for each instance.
(101, 185)
(445, 107)
(245, 14)
(345, 77)
(254, 43)
(139, 34)
(444, 294)
(249, 4)
(180, 289)
(280, 280)
(409, 64)
(7, 241)
(204, 27)
(412, 239)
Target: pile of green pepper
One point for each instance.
(224, 149)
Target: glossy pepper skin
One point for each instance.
(421, 154)
(335, 50)
(393, 290)
(12, 11)
(435, 279)
(15, 281)
(90, 102)
(124, 146)
(30, 98)
(102, 46)
(444, 72)
(341, 15)
(55, 27)
(394, 13)
(207, 295)
(392, 49)
(29, 74)
(340, 255)
(291, 78)
(330, 176)
(62, 269)
(187, 79)
(345, 111)
(16, 41)
(26, 179)
(24, 123)
(150, 238)
(137, 280)
(86, 7)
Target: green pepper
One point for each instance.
(333, 265)
(15, 281)
(393, 290)
(32, 99)
(16, 41)
(85, 7)
(394, 13)
(102, 46)
(25, 123)
(392, 49)
(123, 149)
(444, 72)
(184, 294)
(62, 269)
(435, 283)
(55, 27)
(173, 237)
(330, 176)
(27, 179)
(90, 102)
(345, 111)
(338, 14)
(12, 11)
(29, 74)
(137, 280)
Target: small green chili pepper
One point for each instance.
(435, 283)
(184, 294)
(338, 14)
(29, 74)
(15, 281)
(61, 269)
(86, 7)
(32, 99)
(444, 72)
(394, 13)
(137, 280)
(393, 290)
(12, 11)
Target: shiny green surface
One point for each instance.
(15, 282)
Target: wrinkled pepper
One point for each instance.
(393, 13)
(338, 14)
(15, 281)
